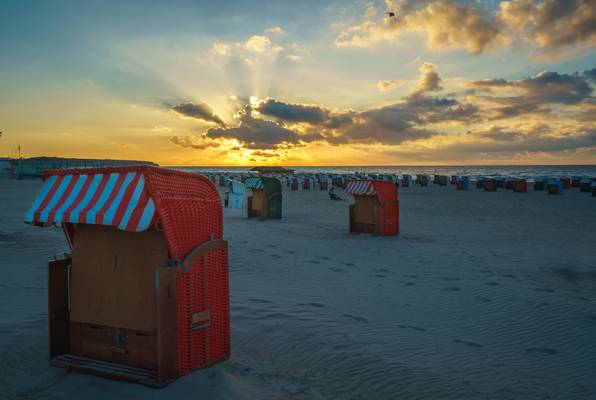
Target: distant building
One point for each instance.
(33, 167)
(5, 163)
(272, 170)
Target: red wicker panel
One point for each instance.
(189, 211)
(204, 287)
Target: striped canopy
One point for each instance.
(360, 187)
(254, 183)
(118, 199)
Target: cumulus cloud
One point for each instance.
(429, 81)
(200, 111)
(558, 111)
(531, 94)
(275, 29)
(445, 23)
(256, 133)
(189, 142)
(550, 25)
(389, 85)
(292, 112)
(591, 75)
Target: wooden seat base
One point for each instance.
(107, 369)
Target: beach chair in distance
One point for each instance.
(463, 183)
(294, 184)
(143, 296)
(554, 186)
(375, 209)
(520, 186)
(236, 197)
(489, 185)
(265, 200)
(585, 185)
(566, 182)
(539, 185)
(593, 188)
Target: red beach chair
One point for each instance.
(144, 296)
(520, 186)
(376, 207)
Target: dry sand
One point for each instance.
(483, 296)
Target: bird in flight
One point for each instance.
(391, 14)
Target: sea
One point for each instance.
(507, 171)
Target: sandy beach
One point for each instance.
(482, 296)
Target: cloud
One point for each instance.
(445, 23)
(389, 85)
(200, 111)
(275, 29)
(294, 57)
(429, 81)
(591, 75)
(549, 25)
(530, 95)
(557, 108)
(221, 49)
(260, 44)
(292, 112)
(255, 133)
(190, 143)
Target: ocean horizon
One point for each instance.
(520, 171)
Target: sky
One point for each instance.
(402, 82)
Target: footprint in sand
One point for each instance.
(316, 305)
(356, 318)
(449, 279)
(290, 251)
(335, 269)
(469, 344)
(323, 257)
(407, 283)
(313, 261)
(410, 276)
(482, 299)
(415, 328)
(270, 245)
(493, 284)
(591, 317)
(545, 290)
(348, 264)
(257, 250)
(452, 289)
(259, 301)
(541, 350)
(381, 270)
(275, 256)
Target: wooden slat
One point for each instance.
(58, 314)
(167, 339)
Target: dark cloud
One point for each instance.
(545, 88)
(591, 75)
(292, 112)
(255, 133)
(189, 143)
(540, 138)
(199, 111)
(551, 24)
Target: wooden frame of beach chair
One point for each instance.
(144, 296)
(490, 185)
(265, 200)
(375, 209)
(554, 187)
(520, 186)
(294, 184)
